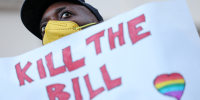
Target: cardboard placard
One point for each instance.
(149, 53)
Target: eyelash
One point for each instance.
(63, 12)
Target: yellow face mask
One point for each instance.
(58, 29)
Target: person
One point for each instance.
(40, 17)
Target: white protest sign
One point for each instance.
(149, 53)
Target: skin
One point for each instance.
(65, 11)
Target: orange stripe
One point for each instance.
(166, 83)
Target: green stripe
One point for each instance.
(172, 87)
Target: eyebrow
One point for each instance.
(43, 20)
(57, 11)
(60, 9)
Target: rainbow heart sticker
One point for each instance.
(170, 84)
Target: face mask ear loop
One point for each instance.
(85, 26)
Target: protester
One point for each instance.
(50, 20)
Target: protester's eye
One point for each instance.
(66, 15)
(43, 29)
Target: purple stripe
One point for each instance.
(176, 94)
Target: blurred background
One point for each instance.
(15, 39)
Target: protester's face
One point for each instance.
(65, 11)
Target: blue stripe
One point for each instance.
(172, 88)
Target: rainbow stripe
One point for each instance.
(171, 85)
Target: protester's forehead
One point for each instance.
(59, 6)
(67, 4)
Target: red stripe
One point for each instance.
(167, 77)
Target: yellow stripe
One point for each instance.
(85, 25)
(162, 84)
